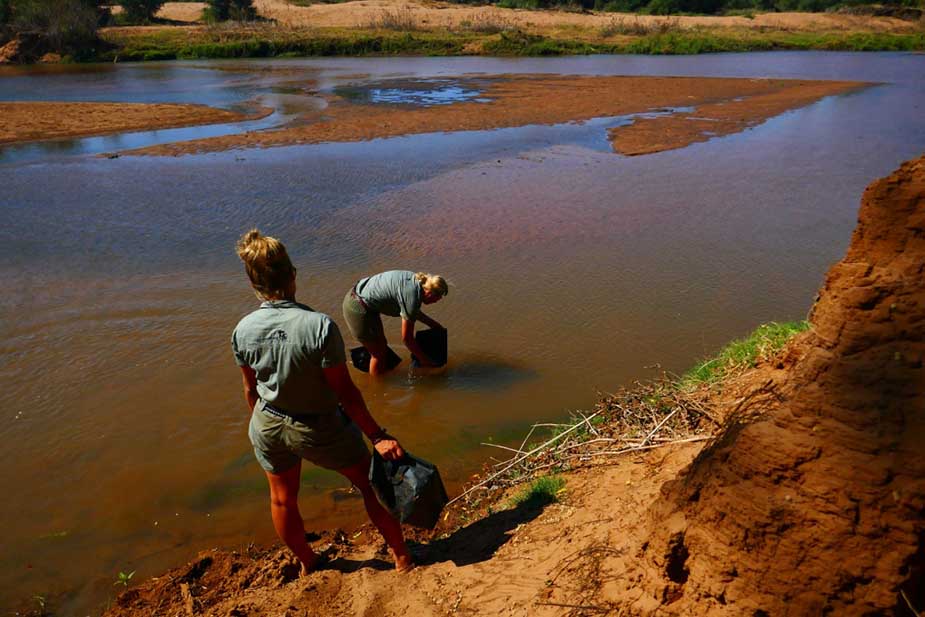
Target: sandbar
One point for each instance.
(692, 109)
(27, 121)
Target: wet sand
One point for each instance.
(648, 135)
(520, 100)
(28, 121)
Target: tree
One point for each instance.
(223, 10)
(62, 26)
(140, 11)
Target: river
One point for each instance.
(573, 271)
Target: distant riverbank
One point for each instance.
(263, 41)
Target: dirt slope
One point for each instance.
(810, 501)
(813, 501)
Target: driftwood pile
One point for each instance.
(644, 416)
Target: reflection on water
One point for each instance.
(419, 92)
(474, 372)
(42, 151)
(572, 270)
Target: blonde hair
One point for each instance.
(432, 282)
(267, 264)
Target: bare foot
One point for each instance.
(404, 563)
(315, 563)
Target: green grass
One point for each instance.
(268, 42)
(540, 492)
(743, 353)
(166, 45)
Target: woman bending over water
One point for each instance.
(394, 293)
(297, 385)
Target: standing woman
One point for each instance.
(394, 293)
(297, 384)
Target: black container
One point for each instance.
(410, 488)
(360, 357)
(434, 343)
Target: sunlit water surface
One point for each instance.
(573, 270)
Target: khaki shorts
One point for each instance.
(365, 325)
(331, 441)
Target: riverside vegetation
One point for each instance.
(81, 30)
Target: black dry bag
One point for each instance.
(410, 488)
(434, 343)
(360, 357)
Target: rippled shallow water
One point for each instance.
(573, 271)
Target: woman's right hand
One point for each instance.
(389, 449)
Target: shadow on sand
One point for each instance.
(480, 540)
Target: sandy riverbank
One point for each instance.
(721, 105)
(29, 121)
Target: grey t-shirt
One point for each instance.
(288, 344)
(393, 293)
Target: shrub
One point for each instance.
(237, 10)
(140, 11)
(62, 26)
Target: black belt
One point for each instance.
(282, 413)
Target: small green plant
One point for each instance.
(743, 353)
(540, 492)
(124, 578)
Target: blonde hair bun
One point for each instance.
(433, 282)
(267, 264)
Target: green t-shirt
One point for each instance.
(393, 293)
(288, 344)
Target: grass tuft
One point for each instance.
(399, 19)
(540, 492)
(743, 353)
(639, 27)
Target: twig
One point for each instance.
(909, 603)
(638, 448)
(659, 425)
(569, 446)
(517, 460)
(495, 445)
(590, 428)
(187, 599)
(524, 442)
(581, 606)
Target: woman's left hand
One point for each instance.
(389, 449)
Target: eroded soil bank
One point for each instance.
(809, 500)
(22, 122)
(729, 105)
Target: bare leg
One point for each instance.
(284, 509)
(379, 353)
(384, 522)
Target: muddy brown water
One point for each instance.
(573, 270)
